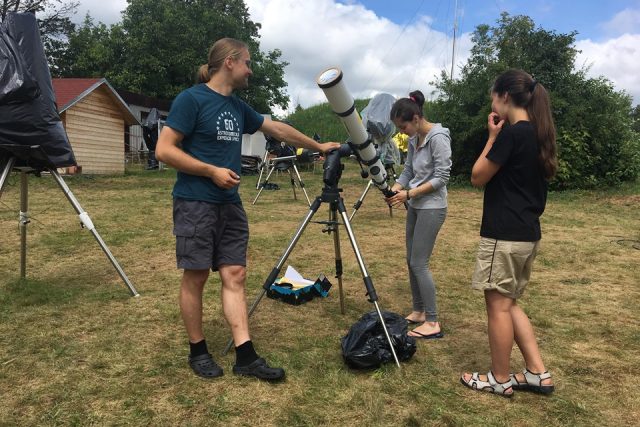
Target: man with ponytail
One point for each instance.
(202, 140)
(515, 166)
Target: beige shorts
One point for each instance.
(504, 266)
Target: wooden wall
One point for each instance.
(94, 126)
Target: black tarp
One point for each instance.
(366, 346)
(28, 115)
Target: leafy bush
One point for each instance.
(597, 143)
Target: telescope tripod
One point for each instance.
(331, 195)
(85, 220)
(272, 166)
(391, 172)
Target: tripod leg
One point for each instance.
(301, 184)
(357, 205)
(263, 166)
(276, 270)
(264, 184)
(293, 184)
(87, 223)
(24, 220)
(333, 218)
(6, 170)
(368, 283)
(392, 172)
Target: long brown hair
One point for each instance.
(220, 50)
(525, 92)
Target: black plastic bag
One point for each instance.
(34, 121)
(366, 346)
(16, 82)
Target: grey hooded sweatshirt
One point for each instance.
(429, 162)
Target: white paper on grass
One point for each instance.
(294, 278)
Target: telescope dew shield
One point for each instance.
(342, 103)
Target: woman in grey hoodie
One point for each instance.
(423, 186)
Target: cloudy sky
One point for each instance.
(396, 46)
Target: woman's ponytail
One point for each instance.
(539, 109)
(526, 92)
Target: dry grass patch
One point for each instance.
(75, 349)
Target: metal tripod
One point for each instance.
(24, 216)
(289, 161)
(331, 195)
(391, 172)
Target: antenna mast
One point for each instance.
(455, 28)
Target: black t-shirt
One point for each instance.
(516, 196)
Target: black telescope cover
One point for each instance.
(28, 113)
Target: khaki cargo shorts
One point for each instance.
(504, 266)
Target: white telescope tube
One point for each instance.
(342, 103)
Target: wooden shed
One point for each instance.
(95, 118)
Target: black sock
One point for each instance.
(198, 348)
(245, 354)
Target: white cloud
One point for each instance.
(107, 12)
(617, 59)
(375, 54)
(626, 21)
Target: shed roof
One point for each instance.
(69, 91)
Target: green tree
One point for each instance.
(92, 50)
(159, 45)
(53, 21)
(635, 116)
(595, 138)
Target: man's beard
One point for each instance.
(242, 83)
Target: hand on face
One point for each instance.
(494, 124)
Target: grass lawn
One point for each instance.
(76, 349)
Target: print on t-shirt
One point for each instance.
(227, 128)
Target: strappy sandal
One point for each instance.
(533, 382)
(492, 386)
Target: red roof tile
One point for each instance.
(70, 91)
(67, 90)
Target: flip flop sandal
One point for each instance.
(420, 335)
(492, 386)
(533, 382)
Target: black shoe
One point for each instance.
(204, 366)
(260, 369)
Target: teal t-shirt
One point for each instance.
(212, 125)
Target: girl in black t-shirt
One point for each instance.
(515, 165)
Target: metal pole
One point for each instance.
(357, 205)
(301, 184)
(333, 219)
(367, 280)
(263, 165)
(23, 221)
(293, 185)
(266, 181)
(88, 224)
(455, 28)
